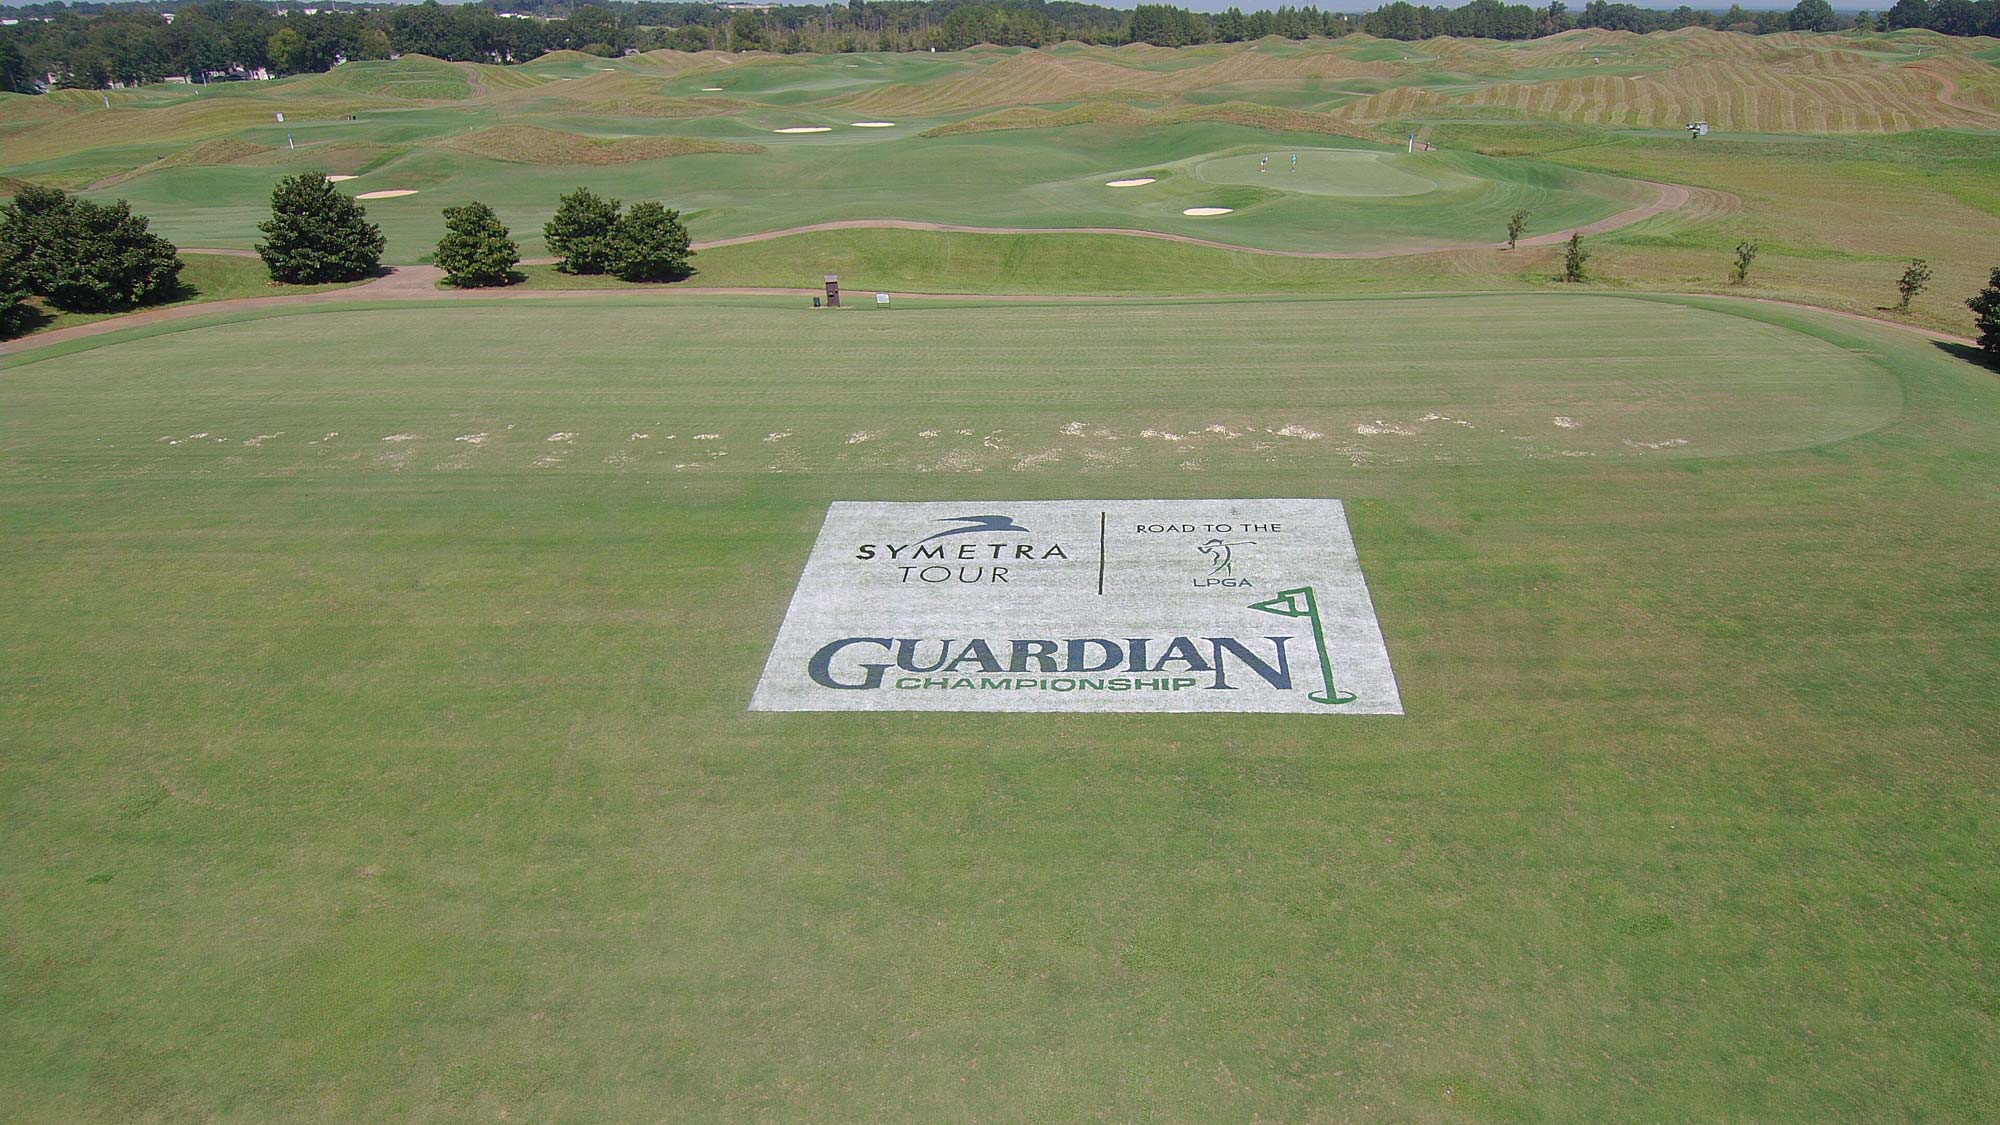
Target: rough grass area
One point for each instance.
(1031, 117)
(530, 144)
(374, 738)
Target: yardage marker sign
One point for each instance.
(1082, 605)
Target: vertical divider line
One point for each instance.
(1102, 517)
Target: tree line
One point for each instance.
(94, 45)
(75, 255)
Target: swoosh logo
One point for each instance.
(976, 524)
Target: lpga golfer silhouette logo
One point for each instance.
(1219, 553)
(1300, 603)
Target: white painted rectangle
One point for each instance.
(1082, 605)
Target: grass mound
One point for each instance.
(411, 78)
(216, 152)
(350, 158)
(1274, 118)
(533, 144)
(1032, 118)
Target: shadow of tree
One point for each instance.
(1968, 353)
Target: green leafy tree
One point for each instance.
(373, 44)
(1574, 256)
(475, 250)
(82, 256)
(288, 51)
(16, 315)
(579, 233)
(746, 33)
(650, 244)
(1812, 15)
(1909, 13)
(317, 234)
(1746, 253)
(1914, 281)
(1956, 17)
(1985, 306)
(1515, 225)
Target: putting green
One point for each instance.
(1351, 173)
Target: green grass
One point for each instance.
(862, 174)
(351, 778)
(204, 278)
(913, 261)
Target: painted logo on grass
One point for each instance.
(1122, 605)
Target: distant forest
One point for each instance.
(96, 46)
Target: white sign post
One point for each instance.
(1076, 605)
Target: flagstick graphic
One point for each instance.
(1300, 603)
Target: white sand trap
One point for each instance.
(1196, 211)
(1142, 181)
(386, 194)
(711, 89)
(806, 129)
(337, 179)
(874, 124)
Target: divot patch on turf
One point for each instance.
(1163, 606)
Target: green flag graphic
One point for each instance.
(1300, 603)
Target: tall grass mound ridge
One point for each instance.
(533, 144)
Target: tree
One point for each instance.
(1813, 15)
(82, 256)
(650, 244)
(475, 250)
(1956, 17)
(1985, 306)
(1515, 225)
(16, 315)
(690, 38)
(1914, 280)
(580, 232)
(1909, 13)
(373, 44)
(288, 51)
(317, 234)
(1574, 255)
(746, 33)
(1746, 252)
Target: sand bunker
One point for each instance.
(874, 124)
(1142, 181)
(711, 89)
(386, 194)
(806, 129)
(337, 179)
(1203, 211)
